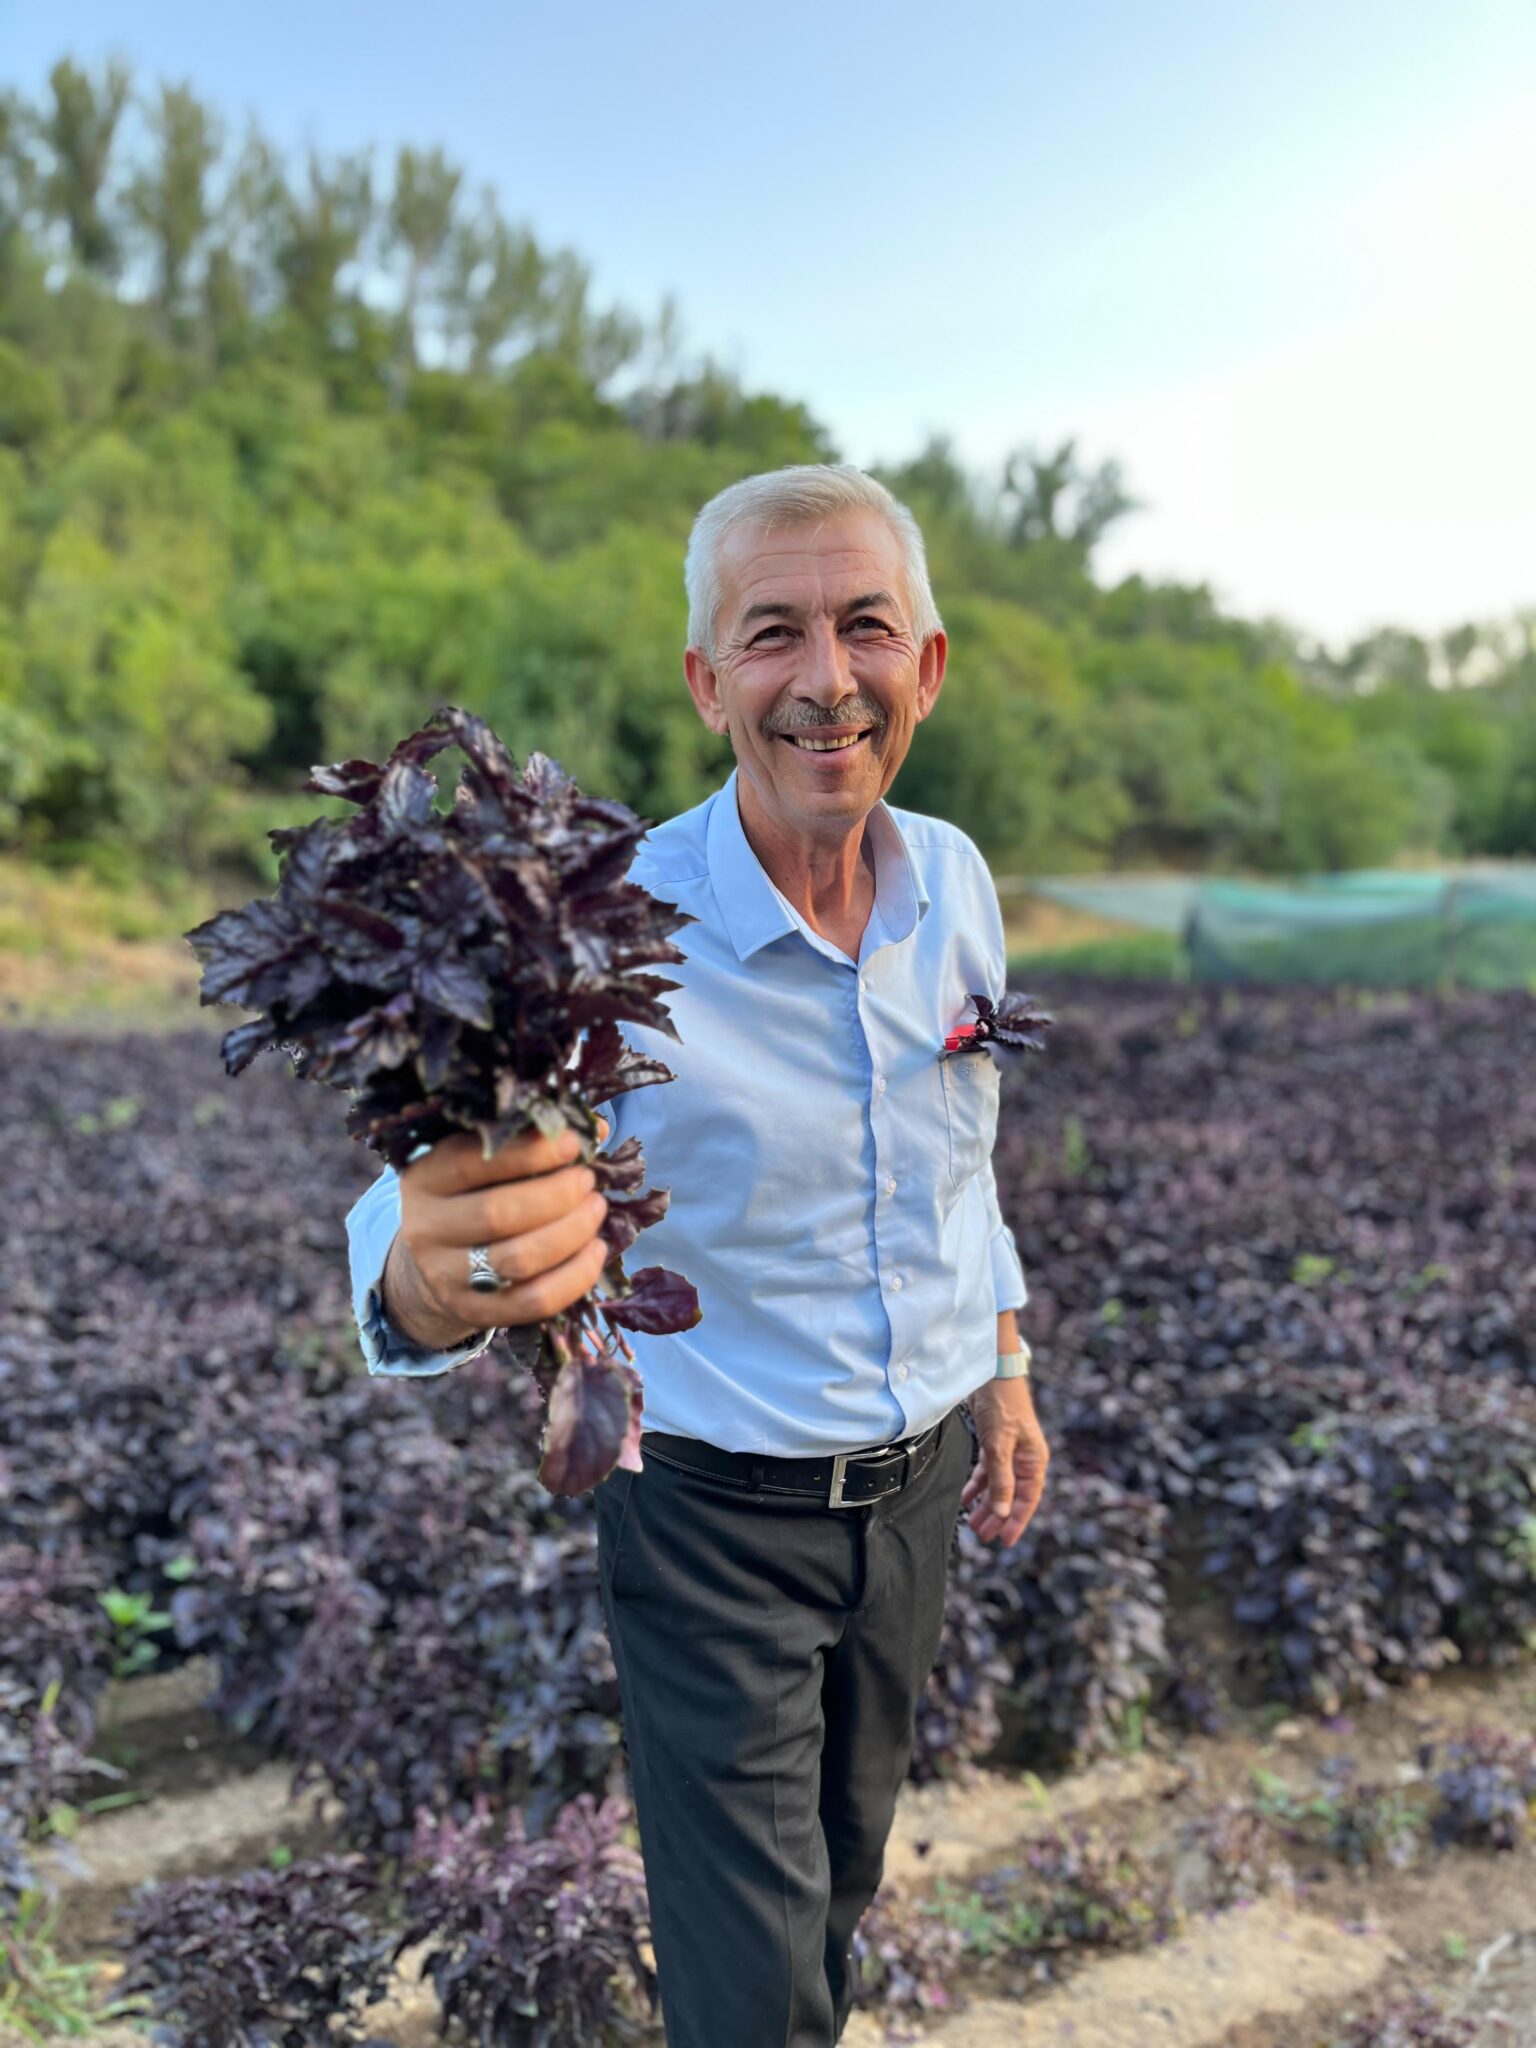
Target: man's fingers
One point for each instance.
(456, 1165)
(1003, 1492)
(511, 1207)
(989, 1521)
(999, 1482)
(532, 1300)
(532, 1252)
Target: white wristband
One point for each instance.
(1013, 1365)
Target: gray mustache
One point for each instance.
(846, 718)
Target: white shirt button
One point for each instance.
(901, 1372)
(890, 1187)
(896, 1282)
(879, 1084)
(863, 984)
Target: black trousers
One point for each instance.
(770, 1653)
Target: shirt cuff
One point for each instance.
(1007, 1272)
(389, 1356)
(372, 1223)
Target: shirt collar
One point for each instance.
(752, 910)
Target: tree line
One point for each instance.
(292, 450)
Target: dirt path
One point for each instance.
(1275, 1972)
(1266, 1958)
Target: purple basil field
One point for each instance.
(308, 1726)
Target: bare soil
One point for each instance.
(1273, 1972)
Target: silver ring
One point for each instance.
(483, 1276)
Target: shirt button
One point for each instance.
(863, 984)
(879, 1084)
(896, 1282)
(901, 1372)
(890, 1187)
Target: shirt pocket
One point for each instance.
(972, 1089)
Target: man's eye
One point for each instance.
(868, 619)
(764, 633)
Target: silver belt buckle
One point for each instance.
(840, 1467)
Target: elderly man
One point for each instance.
(773, 1579)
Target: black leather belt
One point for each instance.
(852, 1479)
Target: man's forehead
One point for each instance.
(821, 562)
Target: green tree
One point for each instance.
(1050, 498)
(421, 217)
(243, 530)
(31, 402)
(1013, 750)
(323, 222)
(20, 183)
(496, 285)
(79, 129)
(168, 195)
(248, 229)
(124, 652)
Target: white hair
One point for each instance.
(788, 497)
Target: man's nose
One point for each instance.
(826, 674)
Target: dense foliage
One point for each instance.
(1487, 1788)
(267, 1956)
(1235, 1853)
(1076, 1885)
(291, 453)
(54, 1666)
(468, 971)
(906, 1957)
(1282, 1286)
(535, 1944)
(1281, 1253)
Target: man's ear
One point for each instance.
(932, 660)
(705, 687)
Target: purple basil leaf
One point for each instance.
(589, 1412)
(658, 1303)
(619, 1228)
(355, 780)
(455, 987)
(623, 1169)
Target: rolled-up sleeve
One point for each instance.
(372, 1222)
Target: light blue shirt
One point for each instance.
(832, 1194)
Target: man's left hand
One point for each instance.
(1004, 1490)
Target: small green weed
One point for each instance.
(135, 1619)
(1311, 1269)
(1522, 1546)
(1425, 1277)
(987, 1929)
(118, 1115)
(1075, 1155)
(1275, 1799)
(41, 1996)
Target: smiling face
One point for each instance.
(814, 642)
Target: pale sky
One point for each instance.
(1279, 261)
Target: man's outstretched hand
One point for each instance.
(1004, 1490)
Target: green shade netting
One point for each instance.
(1465, 928)
(1157, 904)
